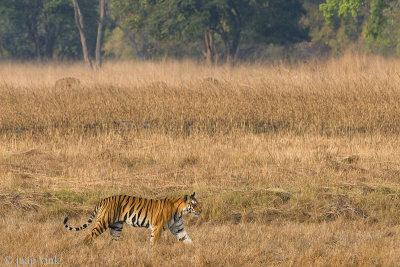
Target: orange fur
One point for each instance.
(158, 215)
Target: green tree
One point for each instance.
(266, 21)
(130, 17)
(334, 37)
(231, 20)
(79, 24)
(378, 15)
(42, 29)
(12, 44)
(38, 22)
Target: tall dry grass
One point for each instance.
(293, 164)
(347, 96)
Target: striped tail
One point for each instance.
(83, 226)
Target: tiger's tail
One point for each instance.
(96, 210)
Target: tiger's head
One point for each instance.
(192, 205)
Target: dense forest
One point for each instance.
(213, 31)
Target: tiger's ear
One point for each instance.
(186, 198)
(192, 196)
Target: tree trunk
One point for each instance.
(50, 39)
(33, 30)
(132, 37)
(216, 55)
(232, 47)
(99, 33)
(34, 35)
(79, 25)
(232, 36)
(210, 46)
(229, 60)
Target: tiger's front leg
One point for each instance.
(179, 231)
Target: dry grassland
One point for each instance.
(294, 165)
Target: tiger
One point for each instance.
(158, 215)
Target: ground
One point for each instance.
(294, 165)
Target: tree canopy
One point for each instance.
(41, 29)
(214, 30)
(264, 21)
(378, 16)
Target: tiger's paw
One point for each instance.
(188, 241)
(88, 241)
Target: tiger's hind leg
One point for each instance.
(98, 229)
(116, 230)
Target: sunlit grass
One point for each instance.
(292, 164)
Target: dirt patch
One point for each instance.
(22, 201)
(339, 205)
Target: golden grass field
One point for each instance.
(294, 165)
